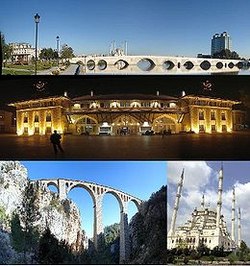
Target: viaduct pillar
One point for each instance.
(124, 234)
(98, 228)
(62, 189)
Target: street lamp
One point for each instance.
(37, 20)
(57, 45)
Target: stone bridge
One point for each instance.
(96, 191)
(141, 64)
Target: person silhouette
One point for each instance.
(55, 139)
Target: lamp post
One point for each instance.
(57, 45)
(37, 20)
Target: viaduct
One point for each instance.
(97, 191)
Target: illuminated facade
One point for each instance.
(116, 114)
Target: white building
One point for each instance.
(22, 53)
(206, 225)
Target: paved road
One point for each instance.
(193, 146)
(46, 71)
(70, 70)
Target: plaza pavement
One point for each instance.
(189, 147)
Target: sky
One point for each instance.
(137, 178)
(202, 177)
(161, 27)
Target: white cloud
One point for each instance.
(197, 173)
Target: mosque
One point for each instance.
(206, 225)
(132, 114)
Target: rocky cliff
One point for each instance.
(62, 217)
(148, 231)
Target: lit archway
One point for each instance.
(126, 125)
(164, 123)
(86, 125)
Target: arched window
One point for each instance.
(48, 117)
(212, 115)
(201, 115)
(36, 119)
(25, 119)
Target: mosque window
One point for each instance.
(172, 241)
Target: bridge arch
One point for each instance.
(83, 186)
(136, 203)
(219, 65)
(117, 196)
(91, 64)
(168, 65)
(146, 64)
(102, 64)
(52, 183)
(205, 65)
(121, 64)
(188, 65)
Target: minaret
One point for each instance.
(233, 216)
(219, 202)
(203, 202)
(176, 204)
(239, 229)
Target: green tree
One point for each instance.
(29, 214)
(51, 251)
(3, 216)
(226, 54)
(17, 234)
(203, 250)
(48, 54)
(6, 50)
(67, 52)
(111, 233)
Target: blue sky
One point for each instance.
(161, 27)
(138, 178)
(202, 177)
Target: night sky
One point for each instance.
(14, 88)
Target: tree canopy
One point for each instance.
(67, 52)
(48, 54)
(226, 54)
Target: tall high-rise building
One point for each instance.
(220, 42)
